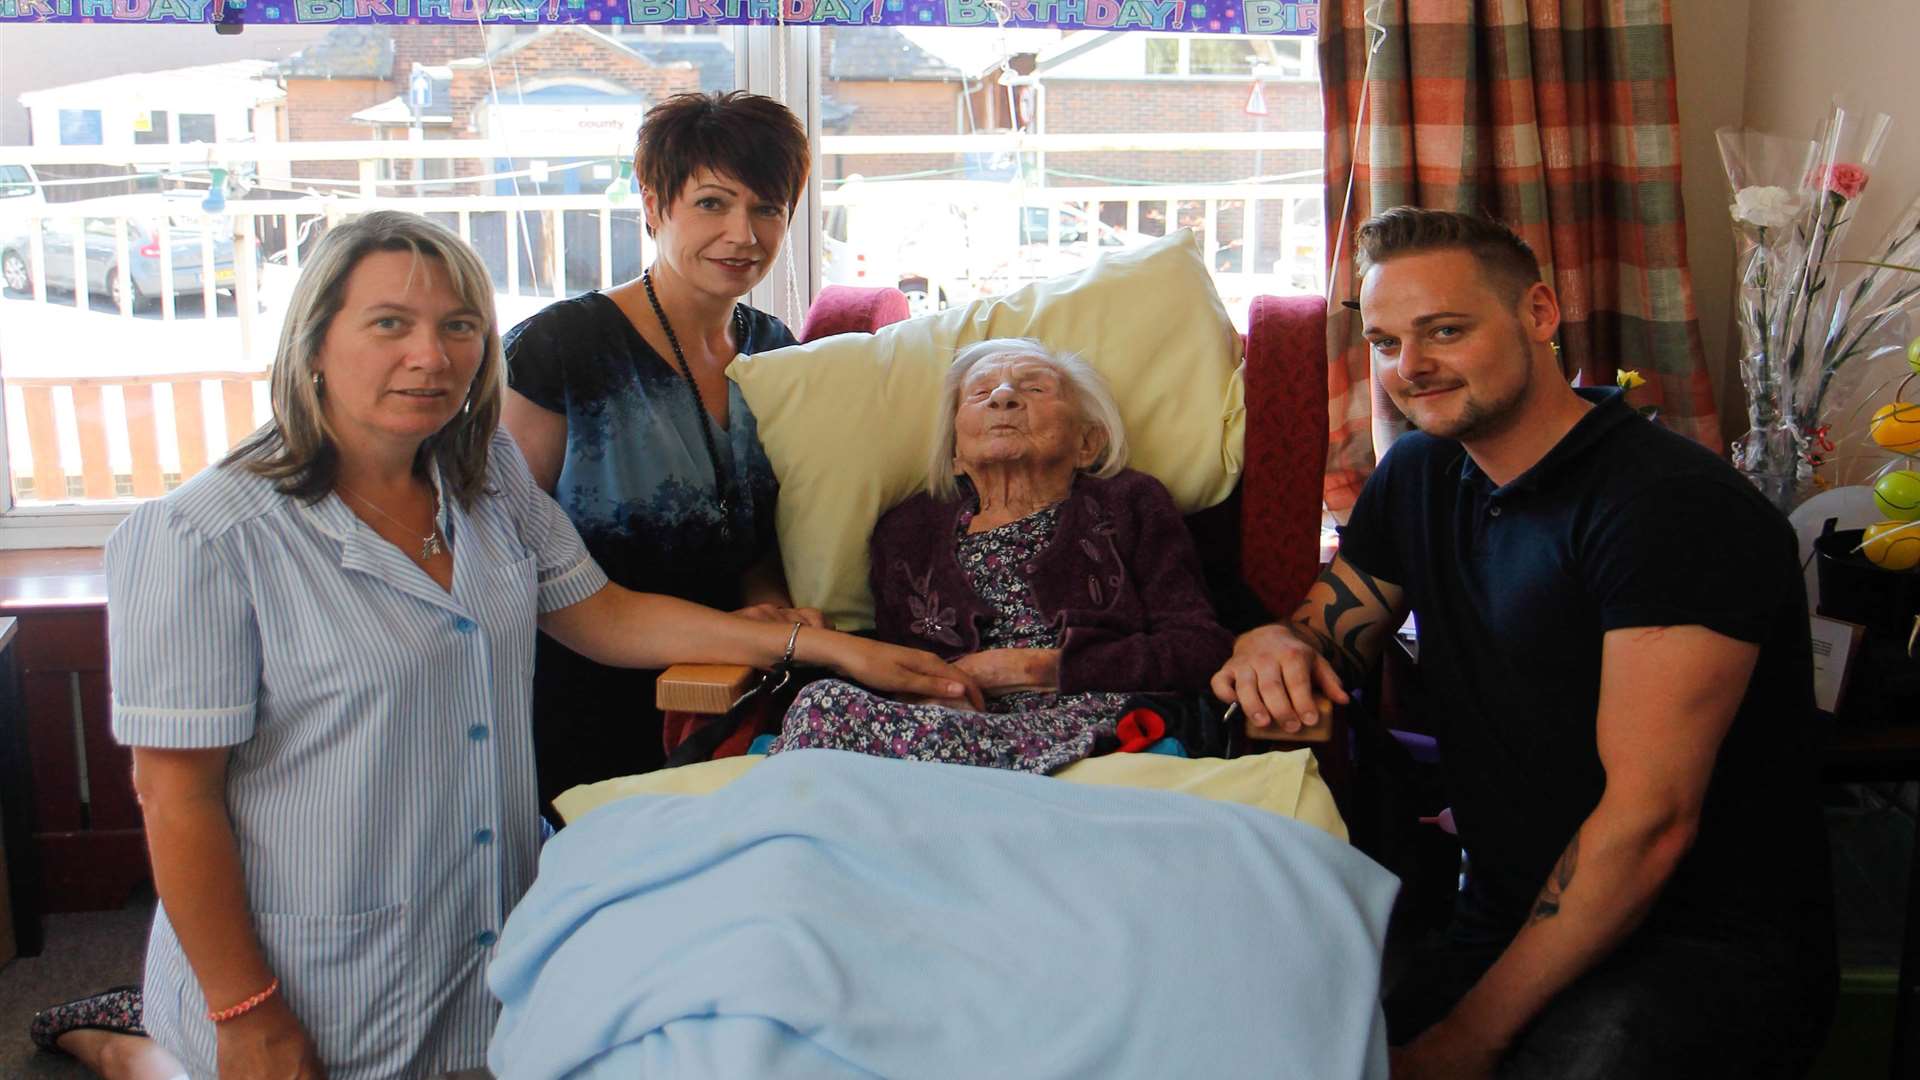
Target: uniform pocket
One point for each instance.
(345, 977)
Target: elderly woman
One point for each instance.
(322, 653)
(1062, 581)
(620, 401)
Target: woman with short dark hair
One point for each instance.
(620, 401)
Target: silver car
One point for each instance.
(104, 274)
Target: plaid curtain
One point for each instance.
(1559, 118)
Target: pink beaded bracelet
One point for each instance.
(220, 1016)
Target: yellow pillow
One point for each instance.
(1280, 782)
(848, 421)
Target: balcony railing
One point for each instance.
(117, 392)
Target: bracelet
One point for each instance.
(232, 1012)
(792, 639)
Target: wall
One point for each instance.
(1710, 65)
(1799, 57)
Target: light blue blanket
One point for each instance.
(836, 915)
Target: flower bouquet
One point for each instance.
(1805, 333)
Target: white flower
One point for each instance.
(1767, 207)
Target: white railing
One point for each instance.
(108, 399)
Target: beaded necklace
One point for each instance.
(722, 488)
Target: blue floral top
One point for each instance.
(636, 479)
(638, 484)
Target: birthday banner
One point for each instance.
(1292, 17)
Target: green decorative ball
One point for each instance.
(1897, 495)
(1913, 355)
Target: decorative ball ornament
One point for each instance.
(1913, 355)
(1893, 545)
(1897, 495)
(1896, 425)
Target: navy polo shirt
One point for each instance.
(1621, 524)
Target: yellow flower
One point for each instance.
(1629, 379)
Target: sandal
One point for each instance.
(116, 1010)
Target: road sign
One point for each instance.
(1257, 100)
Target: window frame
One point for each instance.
(762, 55)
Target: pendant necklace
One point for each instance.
(721, 488)
(429, 544)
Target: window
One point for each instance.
(15, 182)
(1235, 57)
(149, 127)
(197, 128)
(80, 127)
(921, 188)
(122, 335)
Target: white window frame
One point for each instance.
(762, 54)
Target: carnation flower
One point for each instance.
(1844, 180)
(1766, 207)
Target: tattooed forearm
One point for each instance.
(1345, 660)
(1344, 650)
(1547, 905)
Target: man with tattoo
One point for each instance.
(1613, 631)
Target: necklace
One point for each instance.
(430, 544)
(722, 489)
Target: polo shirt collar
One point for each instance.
(1609, 411)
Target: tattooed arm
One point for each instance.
(1331, 641)
(1667, 697)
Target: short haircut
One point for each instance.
(1085, 388)
(298, 449)
(750, 137)
(1506, 262)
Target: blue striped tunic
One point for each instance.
(381, 784)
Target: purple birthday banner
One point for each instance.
(1282, 17)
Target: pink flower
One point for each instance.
(1844, 180)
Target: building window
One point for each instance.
(196, 127)
(79, 127)
(149, 127)
(1232, 57)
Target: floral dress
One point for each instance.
(1029, 731)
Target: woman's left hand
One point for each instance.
(1008, 671)
(902, 671)
(787, 616)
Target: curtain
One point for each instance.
(1557, 117)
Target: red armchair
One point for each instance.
(1261, 548)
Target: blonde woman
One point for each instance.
(322, 654)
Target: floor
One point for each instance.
(84, 953)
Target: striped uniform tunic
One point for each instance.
(381, 784)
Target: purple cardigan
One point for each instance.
(1121, 576)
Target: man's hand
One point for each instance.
(813, 617)
(1275, 677)
(1444, 1051)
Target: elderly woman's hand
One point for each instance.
(806, 616)
(1009, 671)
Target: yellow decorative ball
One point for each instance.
(1897, 495)
(1893, 545)
(1896, 426)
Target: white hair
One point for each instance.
(1085, 388)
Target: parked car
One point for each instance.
(141, 281)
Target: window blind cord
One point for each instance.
(1376, 37)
